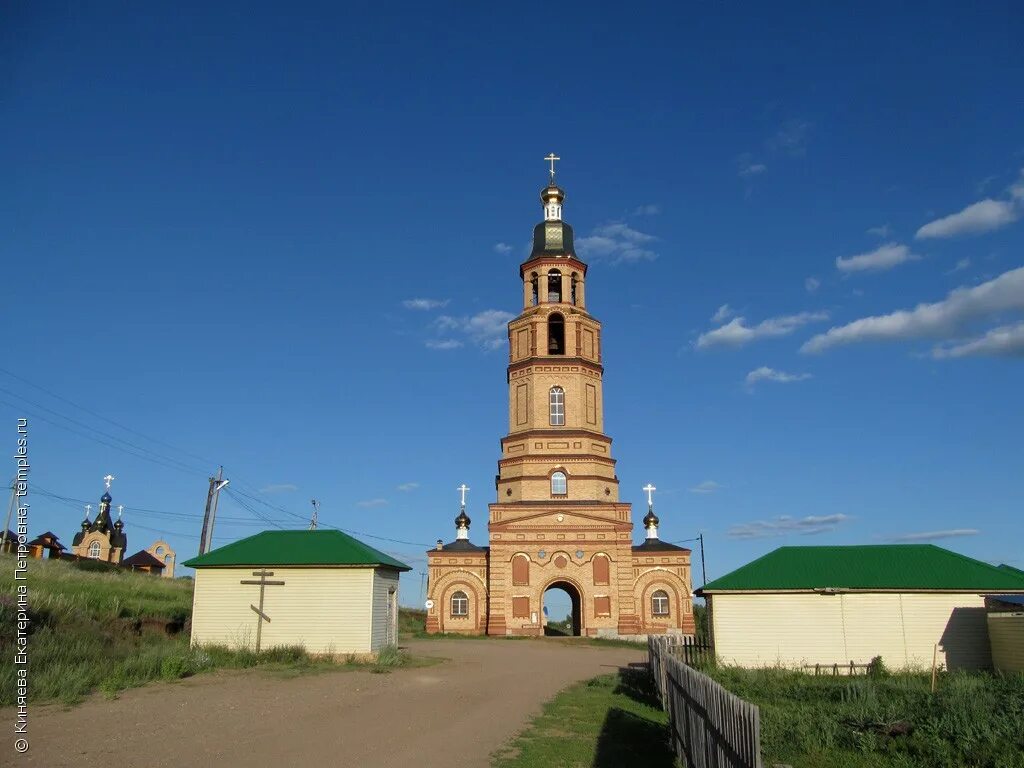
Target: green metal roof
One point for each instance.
(321, 547)
(879, 566)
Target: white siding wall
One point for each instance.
(326, 610)
(383, 582)
(796, 629)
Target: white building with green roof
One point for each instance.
(322, 590)
(804, 606)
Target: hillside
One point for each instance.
(90, 627)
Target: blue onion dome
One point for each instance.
(106, 497)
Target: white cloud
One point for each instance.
(805, 526)
(1016, 189)
(722, 314)
(961, 265)
(764, 373)
(279, 488)
(442, 344)
(487, 329)
(618, 243)
(502, 247)
(371, 503)
(408, 486)
(736, 333)
(791, 137)
(812, 284)
(425, 304)
(752, 169)
(944, 320)
(647, 210)
(983, 216)
(708, 486)
(948, 533)
(882, 258)
(882, 231)
(1005, 341)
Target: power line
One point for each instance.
(22, 409)
(106, 418)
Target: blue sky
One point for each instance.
(289, 242)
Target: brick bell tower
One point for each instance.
(557, 521)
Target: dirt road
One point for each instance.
(451, 714)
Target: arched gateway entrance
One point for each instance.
(562, 609)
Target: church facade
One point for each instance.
(558, 521)
(104, 539)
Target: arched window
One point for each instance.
(601, 569)
(556, 334)
(554, 285)
(167, 559)
(94, 550)
(556, 407)
(460, 604)
(559, 485)
(573, 278)
(159, 551)
(659, 603)
(533, 283)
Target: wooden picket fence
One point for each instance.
(711, 727)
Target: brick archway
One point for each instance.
(575, 592)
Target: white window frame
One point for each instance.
(94, 550)
(564, 483)
(556, 407)
(660, 596)
(463, 599)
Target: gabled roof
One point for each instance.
(459, 545)
(908, 567)
(47, 539)
(141, 559)
(657, 545)
(320, 547)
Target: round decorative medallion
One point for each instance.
(561, 562)
(579, 553)
(559, 518)
(542, 554)
(508, 491)
(607, 491)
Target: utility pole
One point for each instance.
(703, 571)
(217, 484)
(10, 511)
(423, 579)
(312, 520)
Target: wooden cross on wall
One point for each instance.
(260, 615)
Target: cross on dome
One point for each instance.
(551, 158)
(462, 489)
(649, 490)
(108, 480)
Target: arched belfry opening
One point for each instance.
(556, 334)
(534, 290)
(562, 610)
(554, 285)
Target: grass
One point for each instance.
(612, 721)
(889, 721)
(108, 630)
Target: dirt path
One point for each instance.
(452, 714)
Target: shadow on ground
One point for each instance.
(636, 682)
(632, 740)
